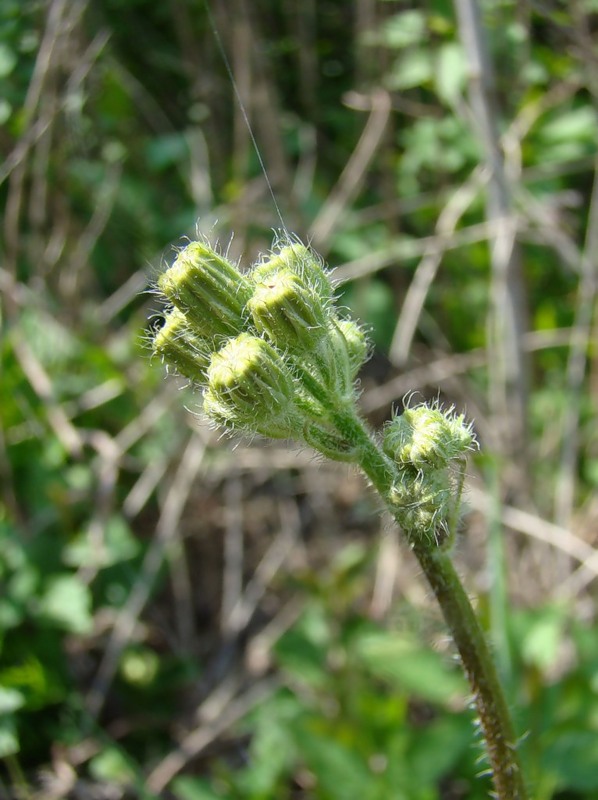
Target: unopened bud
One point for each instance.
(208, 289)
(300, 260)
(427, 436)
(352, 337)
(251, 387)
(421, 499)
(178, 345)
(288, 312)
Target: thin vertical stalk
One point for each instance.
(495, 720)
(477, 661)
(581, 335)
(509, 376)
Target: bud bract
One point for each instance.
(182, 348)
(208, 289)
(250, 386)
(300, 260)
(288, 312)
(352, 337)
(422, 499)
(329, 443)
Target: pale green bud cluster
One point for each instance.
(426, 436)
(267, 347)
(273, 357)
(428, 446)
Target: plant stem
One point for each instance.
(479, 666)
(459, 615)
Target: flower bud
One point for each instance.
(300, 260)
(288, 312)
(422, 500)
(426, 436)
(181, 348)
(251, 387)
(351, 336)
(208, 289)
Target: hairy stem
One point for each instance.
(479, 666)
(459, 616)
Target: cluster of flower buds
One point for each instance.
(426, 443)
(267, 347)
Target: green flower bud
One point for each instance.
(351, 336)
(208, 289)
(300, 260)
(426, 436)
(250, 386)
(181, 348)
(422, 500)
(288, 312)
(461, 435)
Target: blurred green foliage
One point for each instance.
(120, 130)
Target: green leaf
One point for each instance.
(113, 766)
(572, 759)
(434, 751)
(166, 151)
(53, 343)
(302, 650)
(67, 602)
(118, 545)
(413, 69)
(450, 72)
(541, 643)
(187, 788)
(8, 60)
(340, 771)
(38, 683)
(401, 30)
(9, 740)
(272, 751)
(11, 613)
(406, 664)
(10, 700)
(576, 124)
(139, 666)
(5, 112)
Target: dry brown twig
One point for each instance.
(354, 172)
(166, 532)
(581, 335)
(427, 268)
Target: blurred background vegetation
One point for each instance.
(182, 620)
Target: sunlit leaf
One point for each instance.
(67, 602)
(406, 664)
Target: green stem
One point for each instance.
(459, 615)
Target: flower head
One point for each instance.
(251, 387)
(208, 289)
(427, 436)
(299, 259)
(268, 347)
(350, 337)
(287, 311)
(422, 500)
(180, 346)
